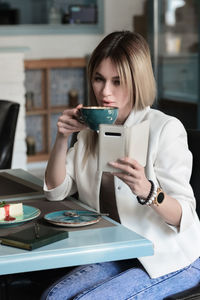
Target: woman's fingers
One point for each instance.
(126, 165)
(132, 173)
(129, 161)
(70, 127)
(69, 122)
(128, 178)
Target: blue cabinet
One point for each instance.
(179, 77)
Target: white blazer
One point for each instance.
(169, 164)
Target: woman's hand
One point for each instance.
(69, 121)
(133, 175)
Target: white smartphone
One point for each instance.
(111, 146)
(117, 141)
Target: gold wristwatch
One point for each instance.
(159, 198)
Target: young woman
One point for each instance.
(156, 201)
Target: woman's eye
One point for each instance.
(117, 82)
(98, 78)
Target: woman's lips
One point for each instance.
(107, 103)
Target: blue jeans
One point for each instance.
(124, 280)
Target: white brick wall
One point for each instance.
(12, 88)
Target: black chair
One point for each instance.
(8, 120)
(194, 146)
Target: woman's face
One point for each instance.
(109, 91)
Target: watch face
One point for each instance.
(160, 197)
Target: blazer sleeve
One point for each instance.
(68, 186)
(173, 168)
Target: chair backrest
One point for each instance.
(194, 146)
(8, 120)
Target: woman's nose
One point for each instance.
(106, 89)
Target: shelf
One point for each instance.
(55, 63)
(53, 29)
(54, 109)
(36, 112)
(58, 109)
(38, 157)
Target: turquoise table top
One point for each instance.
(81, 247)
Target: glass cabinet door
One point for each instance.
(175, 48)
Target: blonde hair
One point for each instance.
(131, 55)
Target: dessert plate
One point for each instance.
(80, 219)
(30, 213)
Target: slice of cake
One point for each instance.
(9, 212)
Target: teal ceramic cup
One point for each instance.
(95, 115)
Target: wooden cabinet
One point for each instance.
(48, 83)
